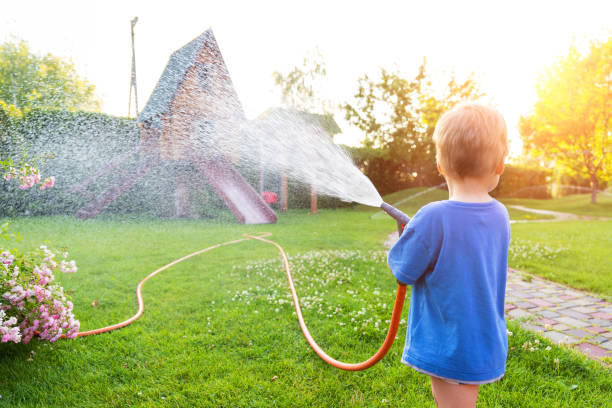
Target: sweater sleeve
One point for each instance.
(417, 249)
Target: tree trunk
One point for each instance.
(594, 185)
(284, 194)
(313, 200)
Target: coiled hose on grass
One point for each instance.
(382, 351)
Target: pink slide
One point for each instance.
(246, 204)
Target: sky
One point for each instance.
(507, 44)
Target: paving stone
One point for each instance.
(602, 323)
(512, 299)
(574, 314)
(519, 294)
(591, 299)
(572, 322)
(538, 293)
(525, 305)
(548, 314)
(596, 329)
(607, 309)
(567, 297)
(592, 350)
(585, 309)
(598, 339)
(532, 327)
(608, 334)
(509, 307)
(601, 315)
(583, 302)
(540, 302)
(561, 337)
(607, 345)
(577, 333)
(554, 299)
(561, 327)
(516, 313)
(548, 321)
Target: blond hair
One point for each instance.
(471, 140)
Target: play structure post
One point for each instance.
(313, 199)
(284, 195)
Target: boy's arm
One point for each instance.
(415, 252)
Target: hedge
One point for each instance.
(80, 143)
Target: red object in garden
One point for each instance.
(270, 197)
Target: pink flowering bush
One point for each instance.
(27, 175)
(31, 303)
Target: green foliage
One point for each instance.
(398, 117)
(70, 146)
(30, 81)
(524, 181)
(300, 86)
(73, 146)
(571, 122)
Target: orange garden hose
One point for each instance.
(384, 348)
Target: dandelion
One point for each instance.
(548, 348)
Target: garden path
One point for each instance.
(559, 216)
(560, 313)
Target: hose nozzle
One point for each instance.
(401, 218)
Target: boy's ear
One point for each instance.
(500, 168)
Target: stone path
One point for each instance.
(562, 314)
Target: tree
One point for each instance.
(299, 91)
(398, 117)
(299, 86)
(30, 81)
(571, 121)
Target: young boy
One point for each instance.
(454, 253)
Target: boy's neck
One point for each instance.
(471, 190)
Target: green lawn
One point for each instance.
(414, 198)
(575, 204)
(578, 253)
(218, 329)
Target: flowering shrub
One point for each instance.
(27, 175)
(31, 302)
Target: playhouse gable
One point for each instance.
(194, 105)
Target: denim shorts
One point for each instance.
(451, 380)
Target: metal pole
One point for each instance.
(133, 79)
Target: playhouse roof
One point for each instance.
(171, 79)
